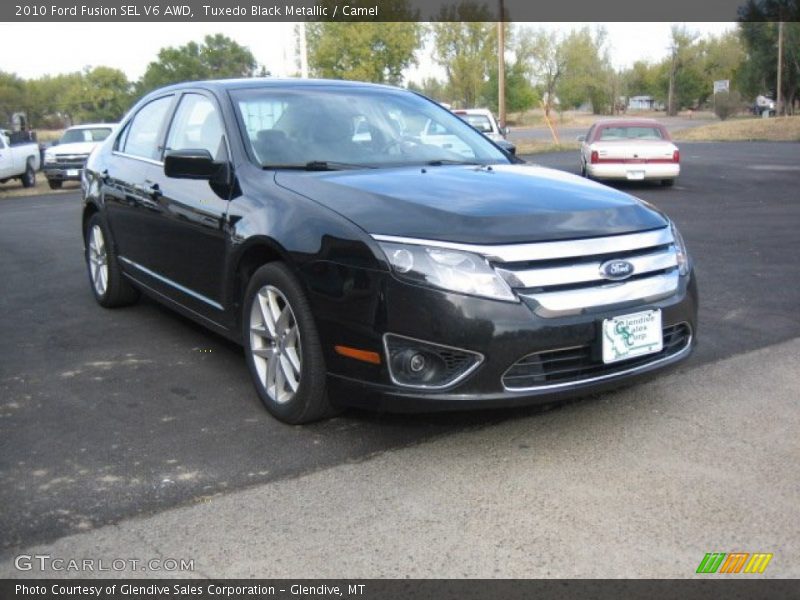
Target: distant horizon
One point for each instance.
(70, 47)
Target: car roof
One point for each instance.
(628, 122)
(261, 82)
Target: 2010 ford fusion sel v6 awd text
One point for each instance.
(361, 261)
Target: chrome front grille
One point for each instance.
(564, 366)
(565, 278)
(71, 161)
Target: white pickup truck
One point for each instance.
(20, 161)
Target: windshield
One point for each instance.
(609, 134)
(342, 127)
(94, 134)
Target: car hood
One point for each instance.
(496, 205)
(74, 148)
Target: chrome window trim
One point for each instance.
(450, 384)
(141, 158)
(590, 380)
(548, 250)
(173, 284)
(573, 302)
(586, 272)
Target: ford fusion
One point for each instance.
(367, 247)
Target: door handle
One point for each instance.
(154, 190)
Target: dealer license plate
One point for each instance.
(629, 336)
(72, 172)
(636, 175)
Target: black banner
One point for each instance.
(408, 589)
(391, 10)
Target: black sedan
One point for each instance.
(367, 247)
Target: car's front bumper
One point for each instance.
(501, 332)
(61, 172)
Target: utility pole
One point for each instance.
(778, 103)
(303, 51)
(671, 94)
(501, 66)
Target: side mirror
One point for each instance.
(581, 138)
(190, 164)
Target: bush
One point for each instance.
(727, 104)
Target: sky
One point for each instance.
(69, 47)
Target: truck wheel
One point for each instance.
(282, 347)
(667, 182)
(109, 286)
(29, 177)
(55, 184)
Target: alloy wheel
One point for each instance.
(98, 260)
(275, 344)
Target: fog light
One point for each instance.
(421, 364)
(417, 363)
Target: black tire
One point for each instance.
(29, 177)
(55, 184)
(308, 401)
(117, 291)
(583, 170)
(667, 182)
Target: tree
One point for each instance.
(430, 87)
(104, 94)
(542, 53)
(520, 93)
(366, 51)
(465, 44)
(217, 57)
(12, 93)
(758, 74)
(587, 74)
(684, 74)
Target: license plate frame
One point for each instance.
(632, 335)
(73, 172)
(635, 175)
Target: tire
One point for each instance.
(109, 286)
(667, 182)
(282, 347)
(583, 170)
(55, 184)
(29, 177)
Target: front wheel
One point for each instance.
(55, 184)
(29, 177)
(110, 288)
(282, 347)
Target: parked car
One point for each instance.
(764, 106)
(483, 120)
(18, 161)
(631, 149)
(378, 270)
(65, 160)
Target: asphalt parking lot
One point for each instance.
(106, 415)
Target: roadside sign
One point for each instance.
(722, 85)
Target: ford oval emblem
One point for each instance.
(616, 269)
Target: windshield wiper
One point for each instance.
(318, 165)
(446, 161)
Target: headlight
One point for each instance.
(680, 248)
(451, 270)
(49, 158)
